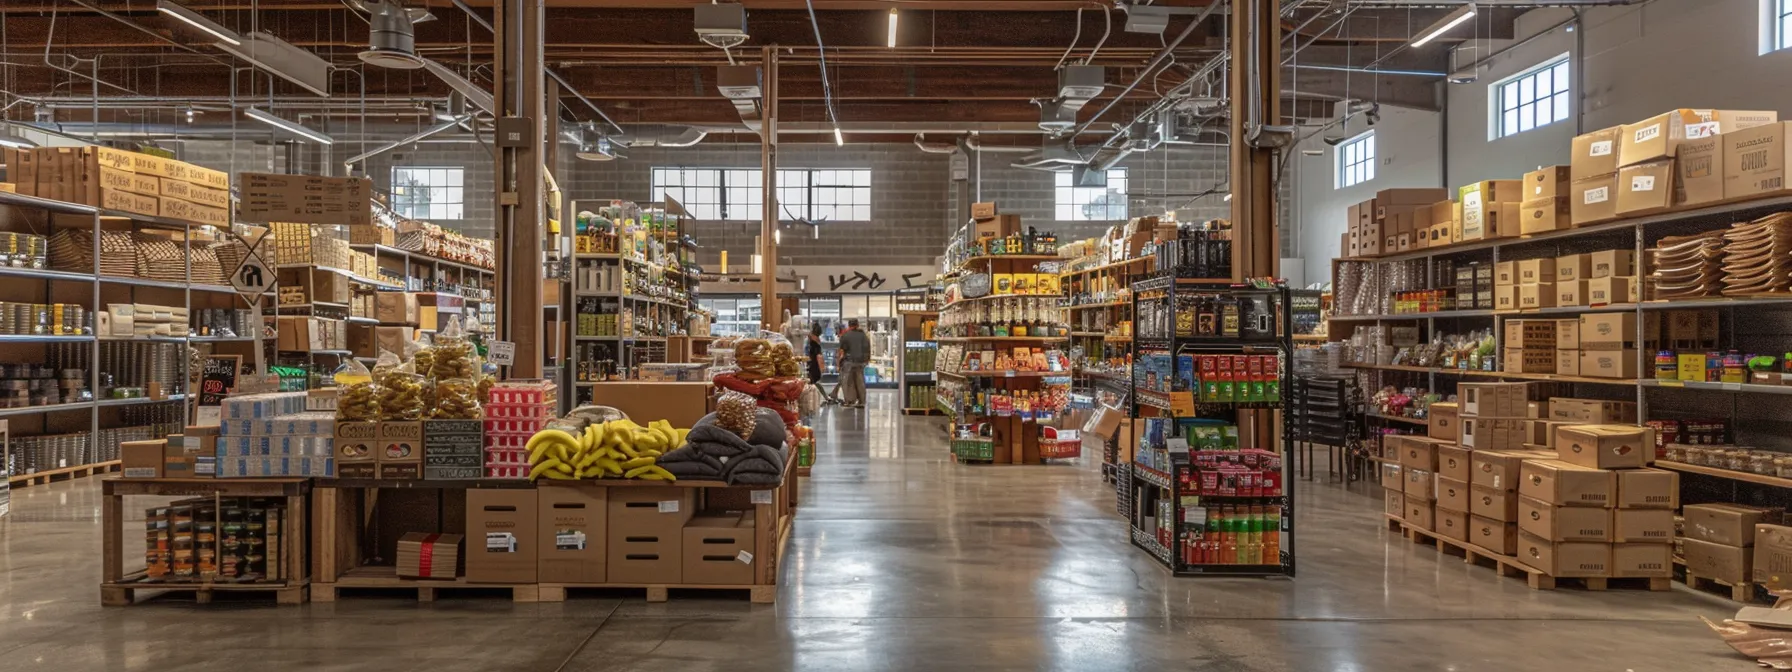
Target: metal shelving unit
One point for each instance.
(628, 349)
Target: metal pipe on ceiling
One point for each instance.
(1150, 68)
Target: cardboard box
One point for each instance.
(1419, 513)
(998, 226)
(1728, 524)
(1563, 523)
(1660, 136)
(1452, 495)
(1755, 160)
(1444, 421)
(306, 199)
(1505, 273)
(1544, 215)
(1605, 446)
(682, 403)
(1593, 200)
(1733, 564)
(1650, 526)
(141, 459)
(1567, 362)
(1648, 489)
(1451, 524)
(1536, 270)
(1529, 360)
(1611, 263)
(1655, 561)
(1564, 484)
(400, 445)
(391, 339)
(1493, 535)
(1394, 503)
(1530, 333)
(646, 533)
(1480, 208)
(357, 447)
(718, 549)
(982, 211)
(208, 178)
(1568, 334)
(175, 208)
(1605, 331)
(504, 526)
(1493, 503)
(1773, 556)
(1387, 201)
(177, 461)
(1494, 400)
(1608, 363)
(428, 555)
(1566, 559)
(1547, 182)
(1594, 411)
(1454, 463)
(1485, 433)
(1420, 484)
(1646, 187)
(1505, 297)
(1574, 267)
(396, 308)
(1699, 171)
(572, 533)
(1595, 154)
(1415, 452)
(1536, 295)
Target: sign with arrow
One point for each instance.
(252, 278)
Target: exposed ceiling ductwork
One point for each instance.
(740, 85)
(392, 36)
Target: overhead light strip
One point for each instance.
(1453, 19)
(193, 19)
(291, 127)
(892, 40)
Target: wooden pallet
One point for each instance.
(1506, 565)
(1740, 592)
(385, 580)
(557, 592)
(126, 593)
(69, 473)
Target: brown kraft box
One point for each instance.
(1454, 463)
(1393, 503)
(1773, 556)
(1544, 215)
(1418, 452)
(1564, 484)
(1443, 420)
(1593, 200)
(1645, 526)
(1654, 561)
(501, 531)
(1648, 489)
(1727, 524)
(1755, 160)
(1493, 503)
(646, 533)
(1452, 524)
(357, 449)
(718, 549)
(1646, 187)
(1494, 535)
(682, 404)
(1563, 523)
(1605, 446)
(1547, 182)
(1493, 400)
(1699, 171)
(1420, 484)
(1732, 564)
(1564, 559)
(1452, 495)
(1419, 513)
(1595, 154)
(1392, 476)
(572, 535)
(142, 459)
(401, 450)
(1592, 411)
(1498, 469)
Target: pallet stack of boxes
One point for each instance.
(1599, 278)
(1719, 542)
(1396, 220)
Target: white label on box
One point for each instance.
(1704, 129)
(744, 557)
(669, 506)
(140, 472)
(1646, 134)
(1601, 148)
(1596, 195)
(569, 540)
(1642, 183)
(760, 497)
(502, 353)
(500, 542)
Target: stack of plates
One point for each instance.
(1758, 256)
(1687, 267)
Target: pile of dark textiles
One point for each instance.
(711, 453)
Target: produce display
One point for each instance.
(615, 449)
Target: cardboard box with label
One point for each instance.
(1593, 200)
(718, 549)
(1563, 523)
(1659, 137)
(1573, 267)
(426, 555)
(1608, 363)
(1650, 526)
(1595, 154)
(1392, 476)
(1419, 513)
(1547, 182)
(998, 226)
(1493, 400)
(1648, 489)
(1493, 503)
(1544, 215)
(1394, 503)
(1420, 484)
(1645, 187)
(141, 459)
(1482, 208)
(1484, 433)
(1773, 556)
(1450, 524)
(400, 445)
(397, 308)
(1728, 524)
(357, 446)
(1733, 564)
(646, 533)
(1592, 411)
(1505, 297)
(572, 533)
(503, 527)
(1494, 535)
(1564, 559)
(1529, 360)
(1755, 160)
(1444, 421)
(1564, 484)
(1605, 446)
(1699, 171)
(681, 403)
(1415, 452)
(1454, 463)
(981, 211)
(1654, 561)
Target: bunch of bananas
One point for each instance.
(615, 449)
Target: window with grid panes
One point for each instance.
(1535, 98)
(1091, 204)
(1356, 160)
(1780, 12)
(738, 193)
(428, 193)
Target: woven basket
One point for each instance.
(230, 254)
(72, 250)
(159, 258)
(207, 270)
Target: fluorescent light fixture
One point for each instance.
(892, 40)
(280, 58)
(758, 265)
(1443, 25)
(290, 127)
(815, 231)
(1228, 197)
(777, 236)
(193, 19)
(838, 139)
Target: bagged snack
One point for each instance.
(386, 363)
(401, 395)
(455, 356)
(455, 399)
(359, 399)
(737, 413)
(754, 357)
(421, 354)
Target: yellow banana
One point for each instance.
(587, 439)
(655, 473)
(562, 467)
(543, 468)
(637, 462)
(684, 434)
(540, 443)
(560, 476)
(608, 465)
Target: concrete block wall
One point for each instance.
(1159, 181)
(479, 202)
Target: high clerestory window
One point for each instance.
(738, 194)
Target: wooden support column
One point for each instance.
(771, 316)
(518, 87)
(1255, 248)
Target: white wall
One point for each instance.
(1406, 155)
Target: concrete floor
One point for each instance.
(900, 560)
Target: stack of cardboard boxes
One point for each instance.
(1490, 209)
(1597, 510)
(117, 179)
(1719, 540)
(1680, 158)
(1396, 220)
(1546, 204)
(1589, 279)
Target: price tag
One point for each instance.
(760, 497)
(1008, 374)
(1178, 445)
(1182, 404)
(669, 506)
(502, 353)
(1732, 387)
(1672, 383)
(744, 557)
(500, 542)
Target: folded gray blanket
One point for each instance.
(763, 466)
(687, 462)
(756, 460)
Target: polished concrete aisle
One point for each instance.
(900, 560)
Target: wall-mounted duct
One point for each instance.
(740, 85)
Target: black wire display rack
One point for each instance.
(1221, 522)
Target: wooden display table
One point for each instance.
(116, 588)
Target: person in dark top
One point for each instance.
(812, 353)
(855, 353)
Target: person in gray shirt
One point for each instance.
(855, 353)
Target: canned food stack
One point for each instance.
(222, 323)
(23, 250)
(43, 319)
